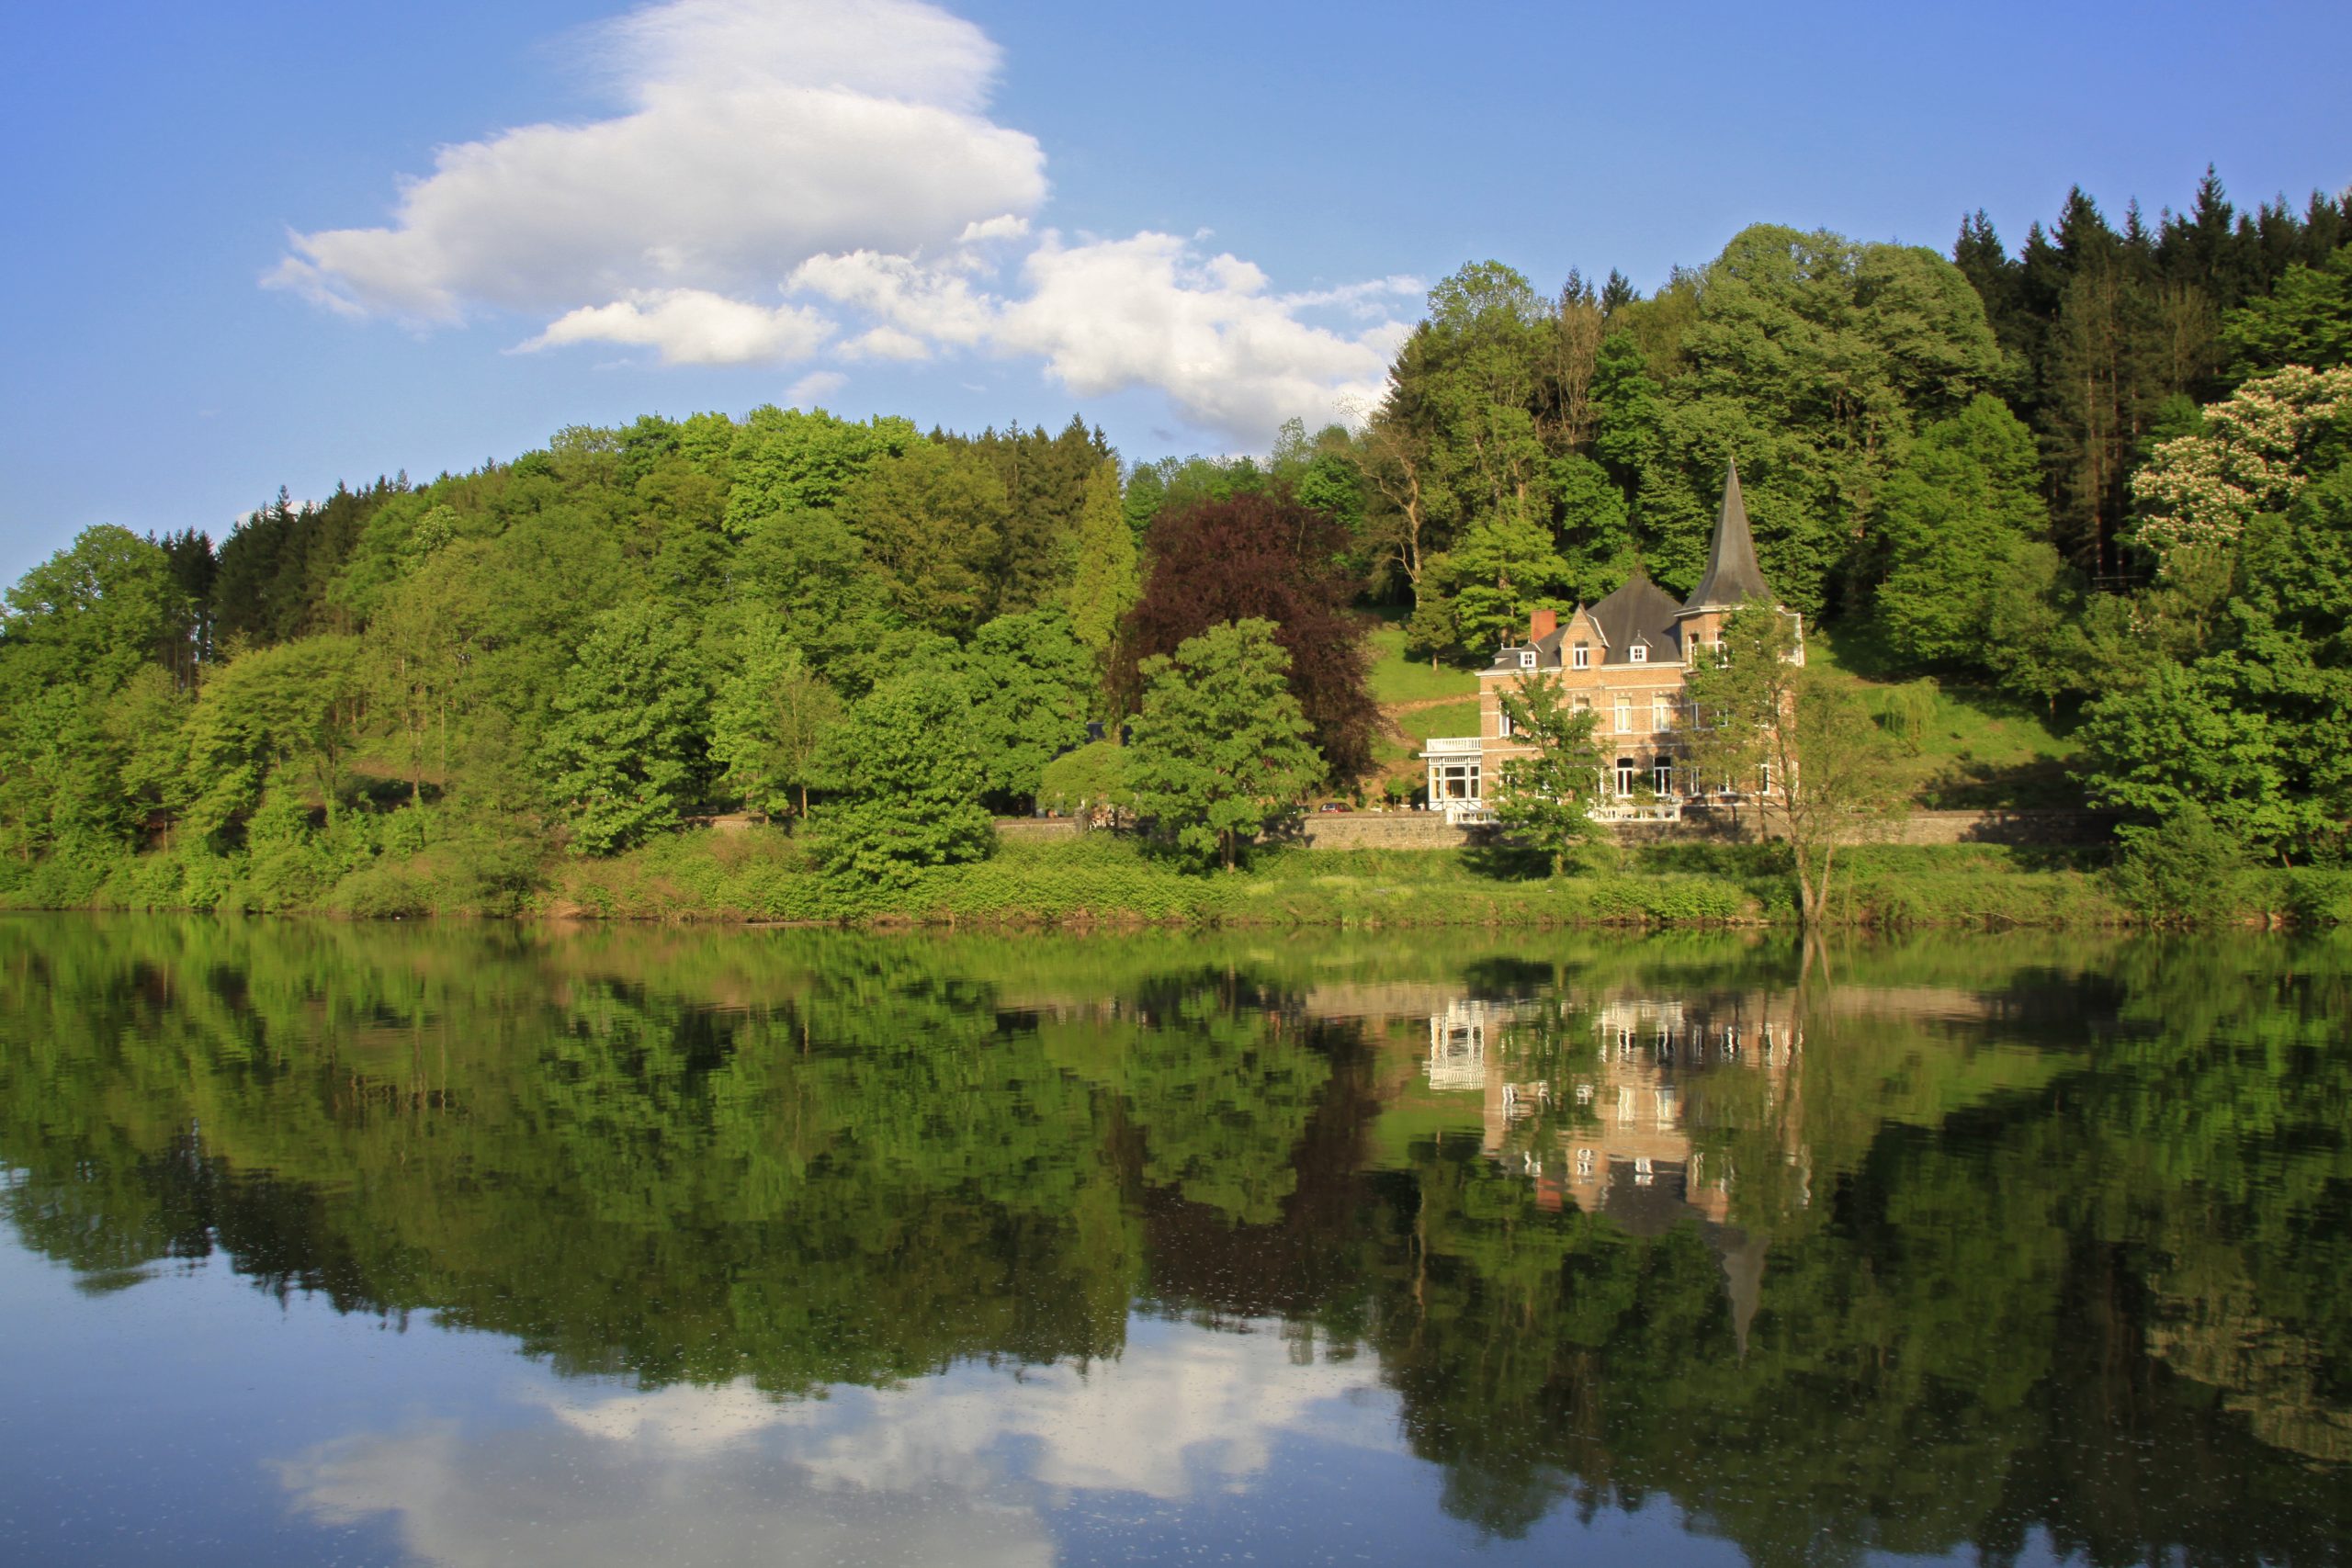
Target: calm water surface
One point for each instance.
(473, 1246)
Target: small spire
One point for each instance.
(1732, 577)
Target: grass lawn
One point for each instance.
(1396, 679)
(1445, 718)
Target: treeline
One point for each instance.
(597, 641)
(2107, 470)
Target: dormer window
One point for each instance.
(1639, 653)
(1583, 655)
(1527, 659)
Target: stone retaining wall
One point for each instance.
(2028, 827)
(1380, 830)
(1032, 828)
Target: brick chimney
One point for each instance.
(1542, 624)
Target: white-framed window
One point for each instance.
(1661, 711)
(1639, 653)
(1764, 778)
(1624, 716)
(1690, 651)
(1625, 771)
(1583, 704)
(1582, 655)
(1662, 776)
(1503, 725)
(1527, 659)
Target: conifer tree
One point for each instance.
(1107, 575)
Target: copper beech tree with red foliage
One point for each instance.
(1268, 558)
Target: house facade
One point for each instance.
(1624, 659)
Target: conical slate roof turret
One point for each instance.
(1732, 577)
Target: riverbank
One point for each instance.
(1102, 880)
(764, 876)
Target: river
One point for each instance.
(470, 1245)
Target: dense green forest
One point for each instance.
(2107, 474)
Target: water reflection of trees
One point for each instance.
(2017, 1293)
(1994, 1242)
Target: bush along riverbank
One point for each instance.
(765, 874)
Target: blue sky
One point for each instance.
(259, 244)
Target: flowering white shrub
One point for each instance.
(2252, 456)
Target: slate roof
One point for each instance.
(1732, 577)
(1546, 648)
(1639, 612)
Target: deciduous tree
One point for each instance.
(1031, 685)
(1547, 799)
(1823, 771)
(1220, 751)
(903, 775)
(625, 752)
(768, 723)
(1259, 557)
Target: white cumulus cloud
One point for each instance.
(837, 151)
(694, 326)
(815, 388)
(936, 302)
(1153, 312)
(758, 132)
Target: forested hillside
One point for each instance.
(2108, 473)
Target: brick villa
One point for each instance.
(1624, 658)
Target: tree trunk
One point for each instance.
(1809, 902)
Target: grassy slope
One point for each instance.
(1980, 749)
(1396, 679)
(1416, 702)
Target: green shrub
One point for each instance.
(2315, 897)
(2182, 871)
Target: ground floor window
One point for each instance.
(1662, 774)
(1625, 771)
(1458, 781)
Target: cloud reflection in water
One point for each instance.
(966, 1467)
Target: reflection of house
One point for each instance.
(1650, 1090)
(1624, 660)
(1626, 1141)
